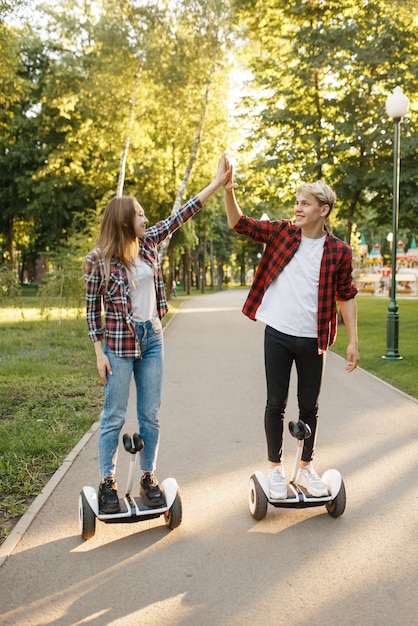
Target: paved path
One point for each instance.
(220, 567)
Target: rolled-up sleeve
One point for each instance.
(345, 285)
(259, 231)
(177, 218)
(94, 283)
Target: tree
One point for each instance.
(100, 77)
(18, 143)
(322, 70)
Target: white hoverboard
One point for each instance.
(132, 509)
(297, 497)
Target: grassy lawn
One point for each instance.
(51, 393)
(372, 314)
(50, 396)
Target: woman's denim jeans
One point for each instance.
(148, 375)
(280, 351)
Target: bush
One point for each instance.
(9, 285)
(64, 287)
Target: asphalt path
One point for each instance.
(221, 567)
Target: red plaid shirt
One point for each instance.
(119, 329)
(282, 239)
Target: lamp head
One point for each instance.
(397, 104)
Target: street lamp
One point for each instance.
(397, 105)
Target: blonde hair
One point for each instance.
(117, 238)
(321, 191)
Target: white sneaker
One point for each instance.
(277, 483)
(309, 479)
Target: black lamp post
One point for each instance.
(397, 106)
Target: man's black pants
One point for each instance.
(280, 352)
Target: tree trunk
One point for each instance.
(203, 266)
(187, 279)
(350, 216)
(189, 168)
(124, 157)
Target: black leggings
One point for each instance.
(280, 351)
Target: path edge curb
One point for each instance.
(11, 541)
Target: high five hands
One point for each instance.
(229, 185)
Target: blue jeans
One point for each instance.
(280, 351)
(148, 376)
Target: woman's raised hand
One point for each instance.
(229, 183)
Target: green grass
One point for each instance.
(51, 393)
(372, 315)
(50, 396)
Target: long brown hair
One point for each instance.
(117, 233)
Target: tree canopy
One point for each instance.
(103, 95)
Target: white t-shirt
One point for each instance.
(142, 287)
(290, 303)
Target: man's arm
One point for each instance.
(233, 211)
(349, 313)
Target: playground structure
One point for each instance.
(375, 278)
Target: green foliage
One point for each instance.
(322, 71)
(96, 77)
(64, 284)
(9, 285)
(87, 79)
(64, 288)
(11, 6)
